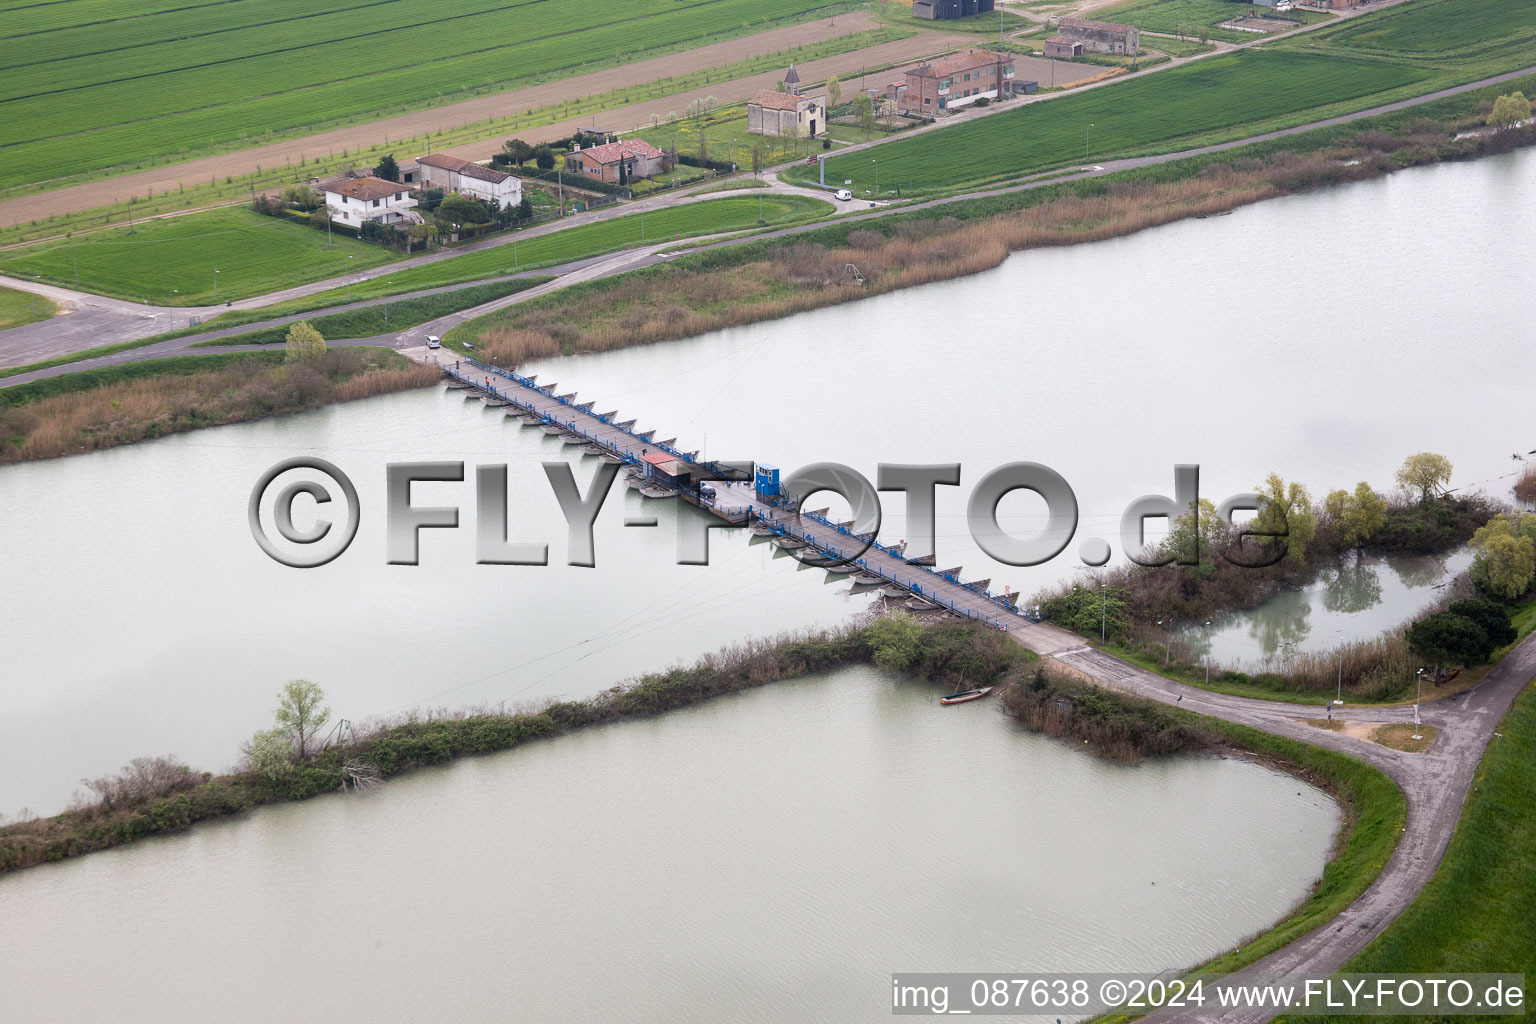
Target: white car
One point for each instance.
(844, 194)
(433, 341)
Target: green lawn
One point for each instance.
(88, 85)
(1188, 17)
(713, 216)
(253, 254)
(1477, 912)
(389, 316)
(1441, 28)
(1218, 97)
(17, 308)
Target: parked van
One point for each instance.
(844, 194)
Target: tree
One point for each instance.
(1491, 616)
(1355, 517)
(544, 158)
(834, 92)
(320, 217)
(864, 107)
(1509, 111)
(460, 210)
(302, 197)
(1426, 473)
(387, 168)
(525, 208)
(1446, 638)
(1504, 565)
(271, 754)
(1287, 515)
(1196, 535)
(895, 640)
(301, 713)
(518, 151)
(303, 344)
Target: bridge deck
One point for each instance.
(738, 502)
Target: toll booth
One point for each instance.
(767, 480)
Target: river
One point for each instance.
(770, 856)
(1307, 335)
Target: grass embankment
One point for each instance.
(232, 75)
(1210, 100)
(172, 261)
(769, 279)
(946, 653)
(17, 308)
(1128, 728)
(369, 321)
(256, 255)
(1195, 17)
(121, 404)
(1475, 914)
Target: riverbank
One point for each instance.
(721, 287)
(949, 654)
(136, 401)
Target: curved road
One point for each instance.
(592, 268)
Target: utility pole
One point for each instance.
(1085, 143)
(74, 252)
(1103, 613)
(1419, 675)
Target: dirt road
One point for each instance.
(167, 178)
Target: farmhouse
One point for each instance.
(636, 157)
(943, 10)
(449, 173)
(955, 82)
(786, 113)
(354, 200)
(1061, 46)
(1100, 36)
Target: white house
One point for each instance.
(451, 174)
(354, 200)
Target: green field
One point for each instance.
(253, 254)
(17, 308)
(83, 88)
(1478, 910)
(713, 216)
(1184, 106)
(1188, 17)
(1443, 29)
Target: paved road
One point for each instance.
(607, 266)
(1435, 783)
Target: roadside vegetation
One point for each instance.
(369, 321)
(1199, 19)
(1475, 914)
(774, 278)
(121, 404)
(1207, 101)
(18, 308)
(172, 261)
(78, 99)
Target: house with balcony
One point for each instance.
(355, 200)
(954, 82)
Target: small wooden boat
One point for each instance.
(551, 429)
(966, 695)
(842, 567)
(652, 491)
(789, 543)
(763, 530)
(867, 579)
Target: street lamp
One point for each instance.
(1103, 613)
(877, 177)
(1419, 677)
(215, 284)
(1207, 652)
(1085, 142)
(1167, 645)
(1339, 699)
(350, 258)
(170, 308)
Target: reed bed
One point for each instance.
(231, 391)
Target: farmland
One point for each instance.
(737, 213)
(1201, 102)
(83, 92)
(1466, 31)
(1189, 17)
(253, 254)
